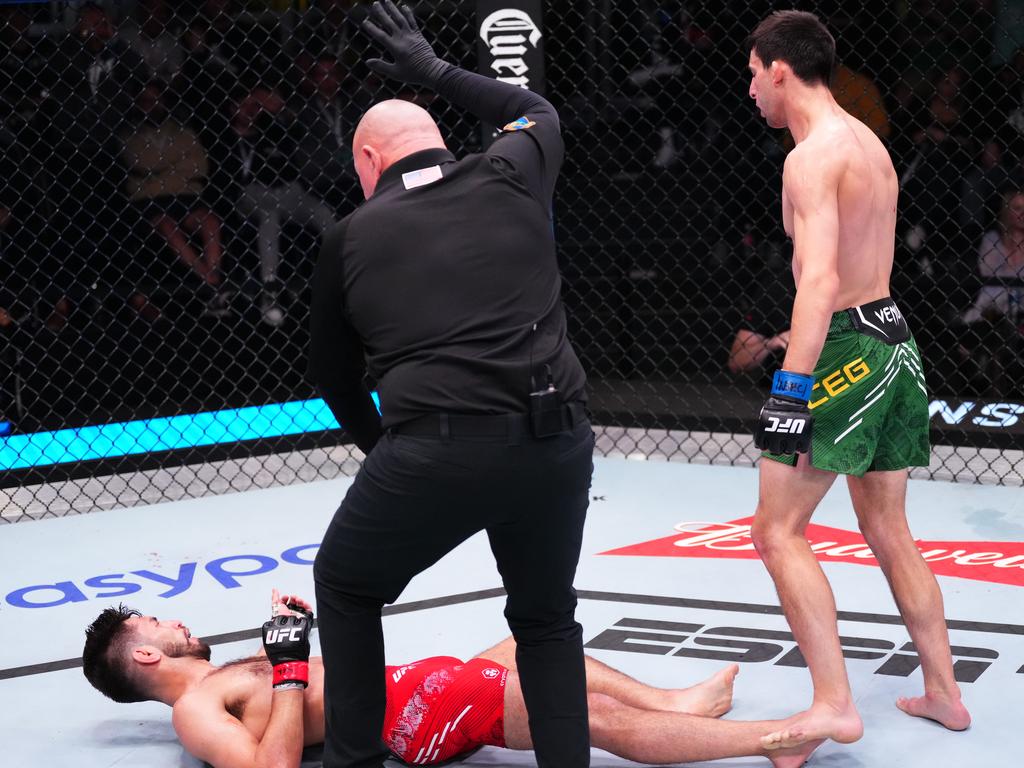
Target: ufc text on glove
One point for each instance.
(286, 641)
(785, 424)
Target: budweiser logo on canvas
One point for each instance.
(999, 562)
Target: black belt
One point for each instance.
(501, 425)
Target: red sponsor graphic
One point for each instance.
(999, 562)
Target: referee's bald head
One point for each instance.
(389, 131)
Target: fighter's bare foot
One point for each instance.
(794, 757)
(821, 721)
(945, 710)
(711, 698)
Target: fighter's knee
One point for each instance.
(888, 539)
(868, 529)
(604, 711)
(763, 534)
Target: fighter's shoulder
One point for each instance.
(192, 710)
(210, 728)
(815, 160)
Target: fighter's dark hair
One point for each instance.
(799, 39)
(105, 659)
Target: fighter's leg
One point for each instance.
(710, 698)
(503, 653)
(659, 738)
(879, 499)
(788, 497)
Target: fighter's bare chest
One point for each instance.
(245, 690)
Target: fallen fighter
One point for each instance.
(263, 710)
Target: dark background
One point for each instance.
(667, 213)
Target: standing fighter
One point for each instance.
(852, 372)
(444, 286)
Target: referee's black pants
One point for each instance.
(414, 500)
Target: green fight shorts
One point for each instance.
(869, 401)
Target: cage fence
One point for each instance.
(169, 168)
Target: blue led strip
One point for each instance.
(192, 430)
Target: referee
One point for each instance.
(443, 287)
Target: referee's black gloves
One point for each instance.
(397, 33)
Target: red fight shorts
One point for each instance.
(441, 707)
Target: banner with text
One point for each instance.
(510, 46)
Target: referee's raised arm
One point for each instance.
(530, 140)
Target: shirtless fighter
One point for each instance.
(851, 397)
(261, 711)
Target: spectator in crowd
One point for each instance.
(938, 31)
(762, 335)
(251, 44)
(1008, 30)
(219, 16)
(328, 118)
(1008, 93)
(1001, 265)
(757, 350)
(25, 72)
(330, 27)
(30, 280)
(167, 170)
(154, 36)
(983, 183)
(203, 84)
(11, 281)
(259, 167)
(934, 169)
(97, 76)
(97, 81)
(993, 340)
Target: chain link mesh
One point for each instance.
(167, 169)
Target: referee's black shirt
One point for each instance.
(448, 293)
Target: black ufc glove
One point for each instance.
(286, 641)
(293, 606)
(785, 424)
(397, 33)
